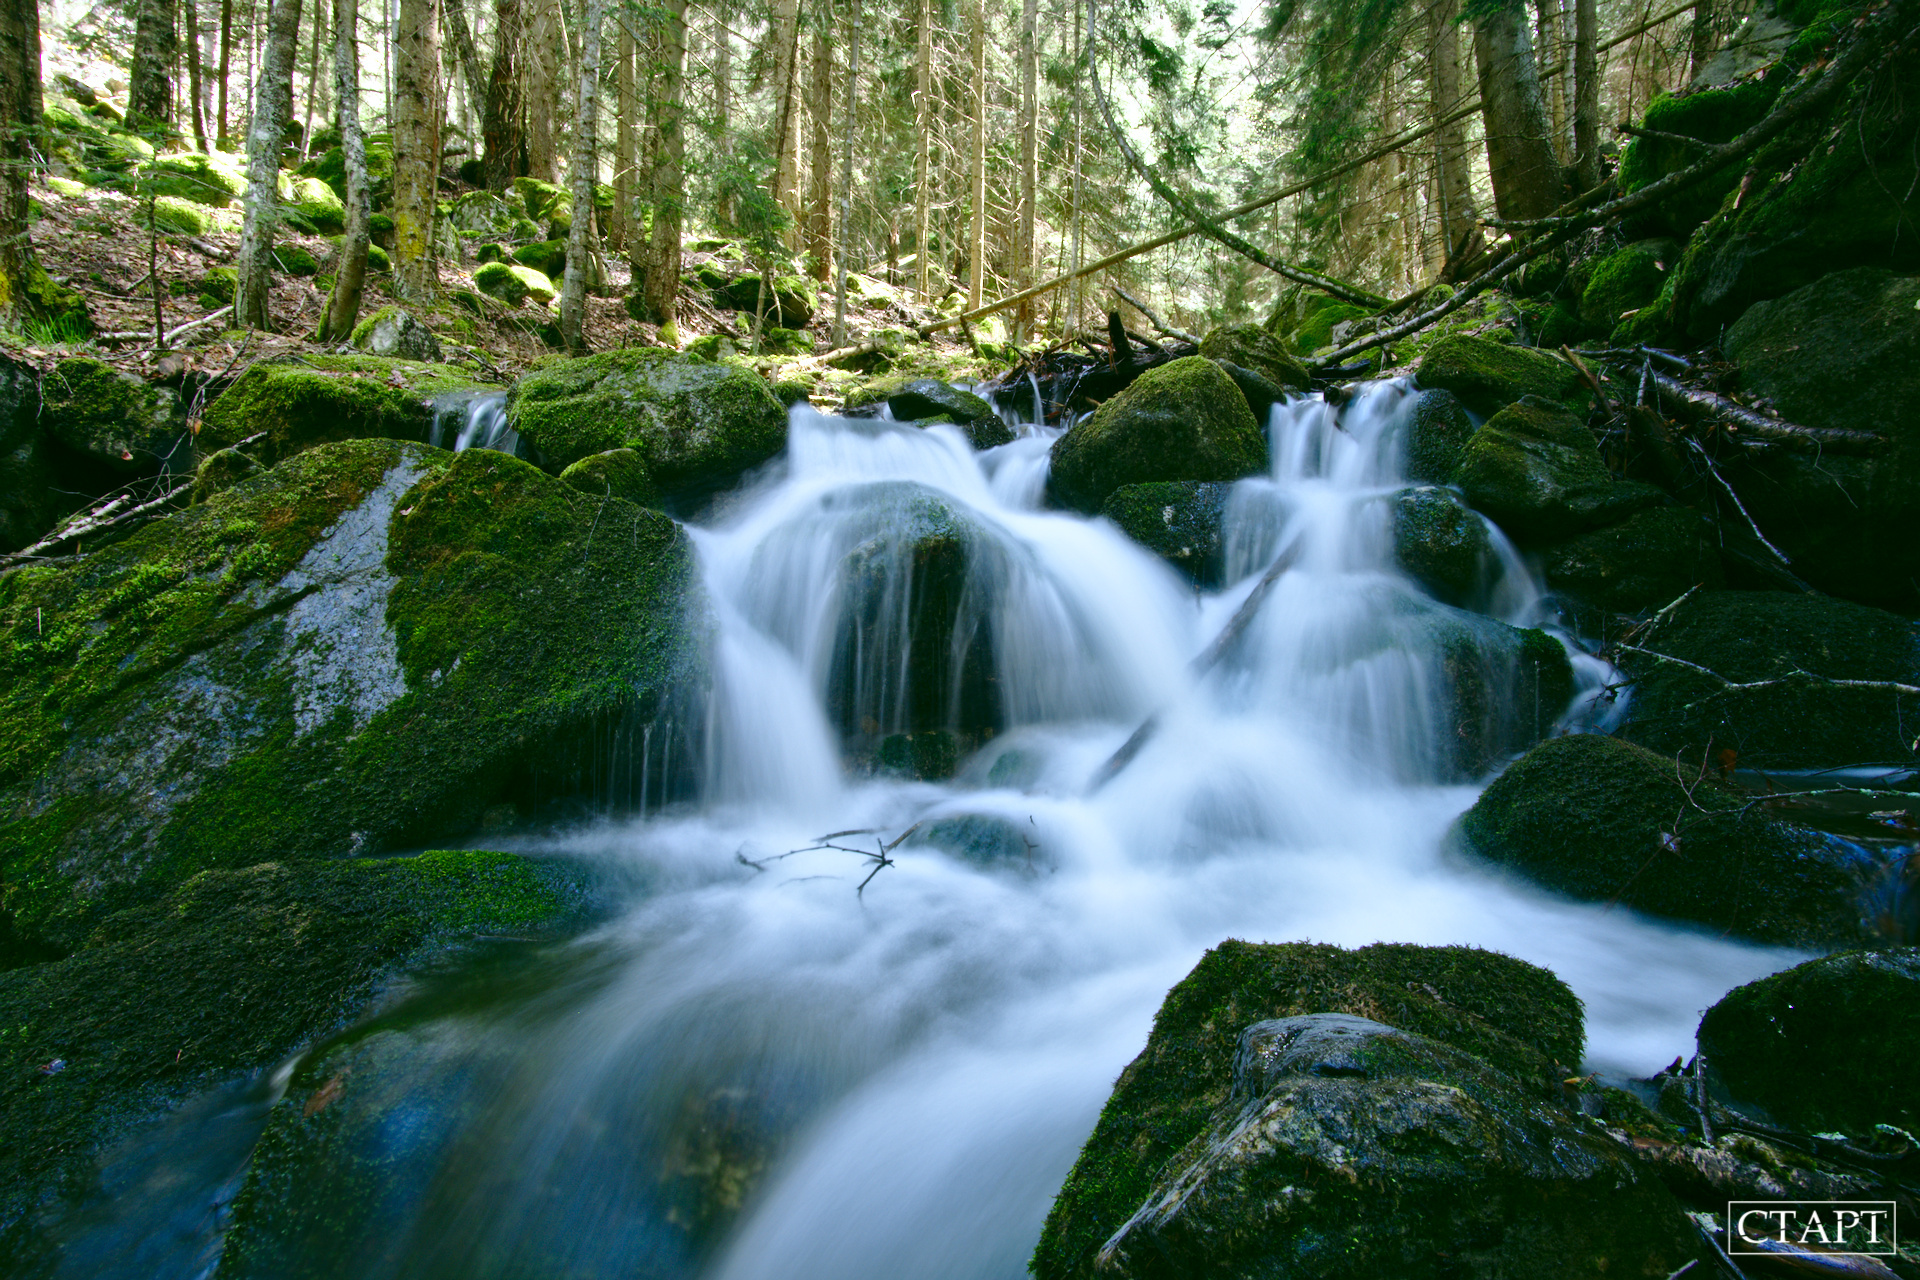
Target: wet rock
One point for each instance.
(1349, 1148)
(1800, 723)
(1184, 420)
(1440, 543)
(1261, 393)
(930, 755)
(930, 397)
(696, 426)
(617, 473)
(984, 839)
(1487, 375)
(1536, 469)
(393, 332)
(368, 645)
(1499, 689)
(115, 421)
(1518, 1019)
(1841, 352)
(1179, 521)
(1437, 435)
(1830, 1044)
(316, 399)
(1646, 561)
(1252, 347)
(1606, 821)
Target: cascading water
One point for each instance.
(467, 421)
(762, 1069)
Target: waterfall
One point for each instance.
(473, 421)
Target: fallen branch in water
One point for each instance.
(880, 856)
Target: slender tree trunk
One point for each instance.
(977, 271)
(846, 175)
(786, 119)
(923, 159)
(1528, 181)
(543, 92)
(816, 238)
(1550, 87)
(1026, 251)
(723, 104)
(1459, 220)
(624, 227)
(502, 121)
(669, 179)
(19, 121)
(1077, 297)
(1586, 93)
(194, 78)
(416, 151)
(585, 170)
(222, 140)
(150, 87)
(350, 273)
(473, 74)
(273, 104)
(1703, 40)
(313, 81)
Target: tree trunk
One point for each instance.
(195, 82)
(923, 161)
(1026, 250)
(663, 277)
(543, 92)
(1459, 220)
(816, 232)
(584, 171)
(150, 87)
(473, 76)
(20, 114)
(846, 174)
(785, 33)
(502, 123)
(977, 268)
(418, 112)
(1586, 94)
(313, 81)
(272, 105)
(222, 140)
(624, 227)
(722, 105)
(1704, 38)
(350, 273)
(1528, 181)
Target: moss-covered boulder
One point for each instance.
(1303, 319)
(394, 333)
(295, 260)
(1606, 821)
(330, 166)
(617, 473)
(1438, 429)
(1841, 352)
(1349, 1149)
(174, 216)
(1184, 420)
(541, 199)
(1487, 375)
(1830, 1044)
(217, 181)
(791, 303)
(1626, 280)
(228, 974)
(1177, 520)
(1638, 565)
(366, 646)
(1518, 1019)
(484, 213)
(1252, 347)
(1711, 115)
(307, 401)
(1536, 469)
(218, 286)
(533, 284)
(1497, 689)
(377, 258)
(112, 419)
(500, 280)
(549, 257)
(318, 205)
(1805, 643)
(695, 425)
(919, 398)
(1440, 543)
(221, 470)
(27, 501)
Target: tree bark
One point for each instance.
(150, 82)
(1026, 250)
(350, 274)
(923, 160)
(785, 32)
(1704, 38)
(195, 81)
(502, 123)
(272, 105)
(624, 227)
(222, 140)
(1459, 219)
(584, 171)
(1586, 94)
(977, 268)
(1528, 181)
(473, 75)
(669, 179)
(543, 92)
(19, 122)
(313, 81)
(846, 174)
(723, 105)
(418, 113)
(816, 229)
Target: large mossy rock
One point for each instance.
(1440, 543)
(1804, 642)
(1347, 1149)
(1177, 520)
(1252, 347)
(1487, 375)
(1841, 352)
(791, 303)
(1830, 1044)
(316, 399)
(394, 333)
(1516, 1018)
(1625, 281)
(1646, 561)
(122, 423)
(229, 973)
(1499, 689)
(1536, 469)
(365, 647)
(1438, 429)
(1711, 115)
(1303, 319)
(218, 181)
(1606, 821)
(696, 426)
(617, 473)
(1184, 420)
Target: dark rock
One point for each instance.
(984, 839)
(1261, 393)
(929, 398)
(1606, 821)
(1348, 1148)
(1489, 375)
(1252, 347)
(1177, 520)
(1711, 115)
(1500, 688)
(1184, 420)
(1536, 469)
(1437, 434)
(617, 473)
(28, 505)
(1801, 723)
(114, 420)
(1830, 1044)
(1518, 1019)
(930, 755)
(1440, 543)
(316, 399)
(1646, 561)
(1626, 280)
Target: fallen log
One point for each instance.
(1738, 420)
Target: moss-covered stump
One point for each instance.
(394, 333)
(1625, 281)
(1638, 565)
(695, 425)
(1606, 821)
(1252, 347)
(1830, 1044)
(1842, 352)
(1184, 420)
(109, 418)
(1177, 520)
(1489, 375)
(1802, 722)
(1349, 1149)
(1536, 469)
(229, 973)
(1519, 1019)
(1440, 543)
(617, 473)
(1437, 433)
(300, 403)
(368, 645)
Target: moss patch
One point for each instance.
(1536, 469)
(1489, 375)
(1625, 281)
(305, 401)
(1711, 115)
(1252, 347)
(1184, 420)
(1179, 521)
(617, 473)
(114, 419)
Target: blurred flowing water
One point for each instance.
(760, 1069)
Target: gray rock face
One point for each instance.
(394, 333)
(26, 506)
(1348, 1148)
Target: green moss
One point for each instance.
(490, 253)
(1521, 1019)
(175, 216)
(498, 280)
(1606, 821)
(1440, 543)
(109, 417)
(220, 471)
(1437, 437)
(1536, 469)
(294, 260)
(220, 284)
(377, 259)
(331, 168)
(1638, 565)
(216, 181)
(364, 330)
(61, 310)
(792, 302)
(541, 199)
(1252, 347)
(1488, 375)
(1179, 521)
(1184, 420)
(319, 205)
(617, 473)
(1711, 115)
(548, 257)
(307, 401)
(1625, 281)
